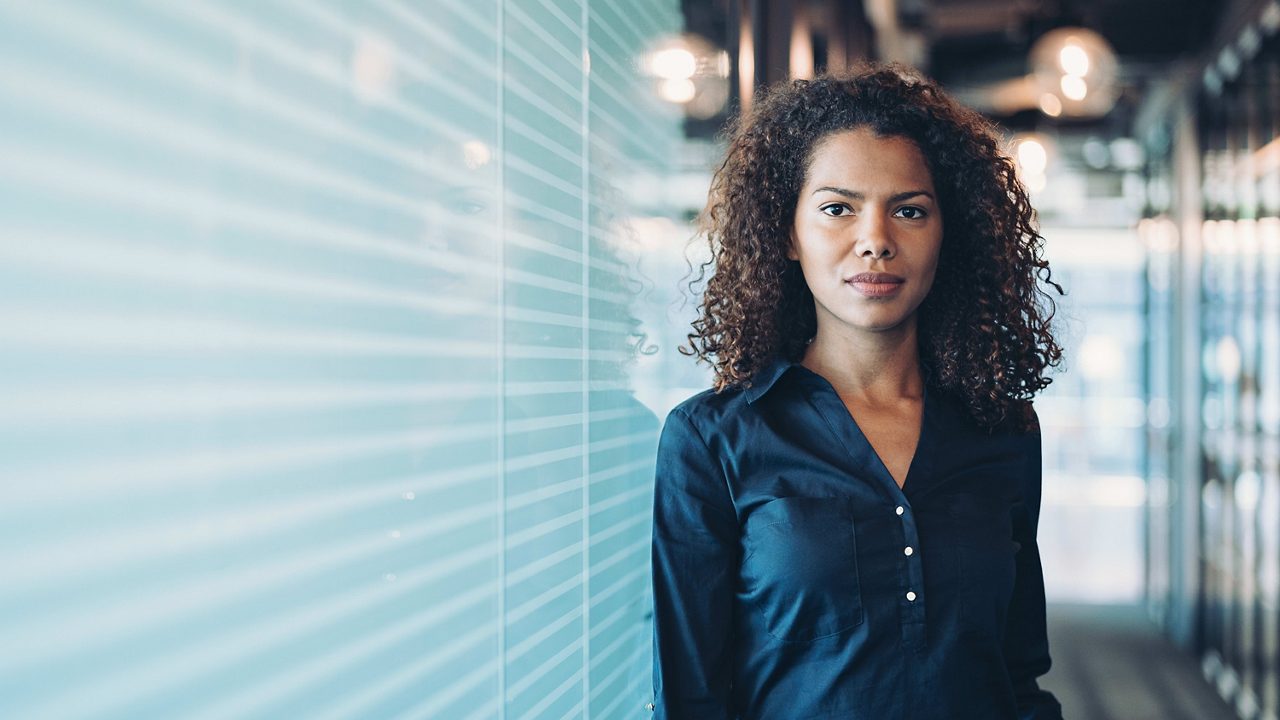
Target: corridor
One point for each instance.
(1111, 663)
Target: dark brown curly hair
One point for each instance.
(984, 328)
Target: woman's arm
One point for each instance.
(695, 560)
(1026, 644)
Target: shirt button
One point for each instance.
(899, 510)
(907, 550)
(911, 596)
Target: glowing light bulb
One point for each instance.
(1032, 157)
(677, 90)
(1074, 60)
(1074, 87)
(1050, 105)
(673, 63)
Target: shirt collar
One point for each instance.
(767, 376)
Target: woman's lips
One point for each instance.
(876, 285)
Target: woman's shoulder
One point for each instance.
(726, 401)
(710, 403)
(1020, 419)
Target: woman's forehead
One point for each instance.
(861, 157)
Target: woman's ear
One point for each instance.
(791, 245)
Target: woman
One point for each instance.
(845, 524)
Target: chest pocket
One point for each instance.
(987, 559)
(800, 568)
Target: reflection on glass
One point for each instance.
(319, 351)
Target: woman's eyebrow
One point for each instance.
(853, 195)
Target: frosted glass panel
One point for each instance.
(316, 339)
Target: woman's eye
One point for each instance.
(913, 213)
(837, 210)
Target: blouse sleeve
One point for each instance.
(695, 558)
(1026, 645)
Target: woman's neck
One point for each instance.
(875, 366)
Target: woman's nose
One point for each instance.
(873, 238)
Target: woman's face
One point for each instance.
(867, 232)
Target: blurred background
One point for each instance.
(335, 338)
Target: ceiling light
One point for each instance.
(688, 70)
(1079, 68)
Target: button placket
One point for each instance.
(912, 609)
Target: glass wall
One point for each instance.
(1241, 492)
(318, 323)
(1230, 254)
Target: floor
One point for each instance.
(1111, 663)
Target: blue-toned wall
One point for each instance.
(316, 324)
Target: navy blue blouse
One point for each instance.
(794, 580)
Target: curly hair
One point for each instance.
(984, 327)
